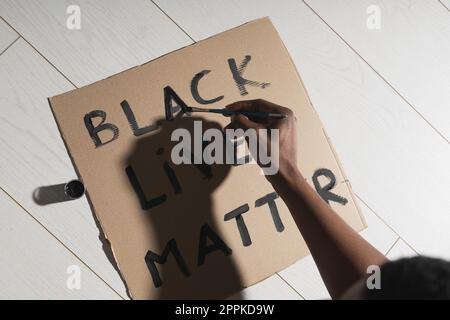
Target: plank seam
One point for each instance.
(281, 277)
(410, 246)
(63, 244)
(35, 49)
(387, 225)
(170, 18)
(376, 72)
(12, 198)
(393, 245)
(9, 46)
(377, 215)
(400, 238)
(445, 7)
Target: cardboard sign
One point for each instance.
(195, 231)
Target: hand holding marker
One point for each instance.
(250, 114)
(75, 189)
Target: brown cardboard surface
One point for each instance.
(133, 231)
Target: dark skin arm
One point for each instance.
(341, 254)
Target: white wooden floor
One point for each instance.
(383, 96)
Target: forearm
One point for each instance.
(340, 253)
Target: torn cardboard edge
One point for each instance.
(103, 236)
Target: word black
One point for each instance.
(172, 104)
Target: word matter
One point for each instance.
(216, 243)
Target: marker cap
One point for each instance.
(74, 189)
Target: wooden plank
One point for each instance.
(33, 155)
(305, 278)
(395, 161)
(410, 50)
(34, 265)
(380, 235)
(114, 35)
(272, 288)
(7, 36)
(304, 275)
(401, 250)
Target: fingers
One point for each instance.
(248, 105)
(260, 105)
(241, 122)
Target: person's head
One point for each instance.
(408, 278)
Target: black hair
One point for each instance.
(413, 278)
